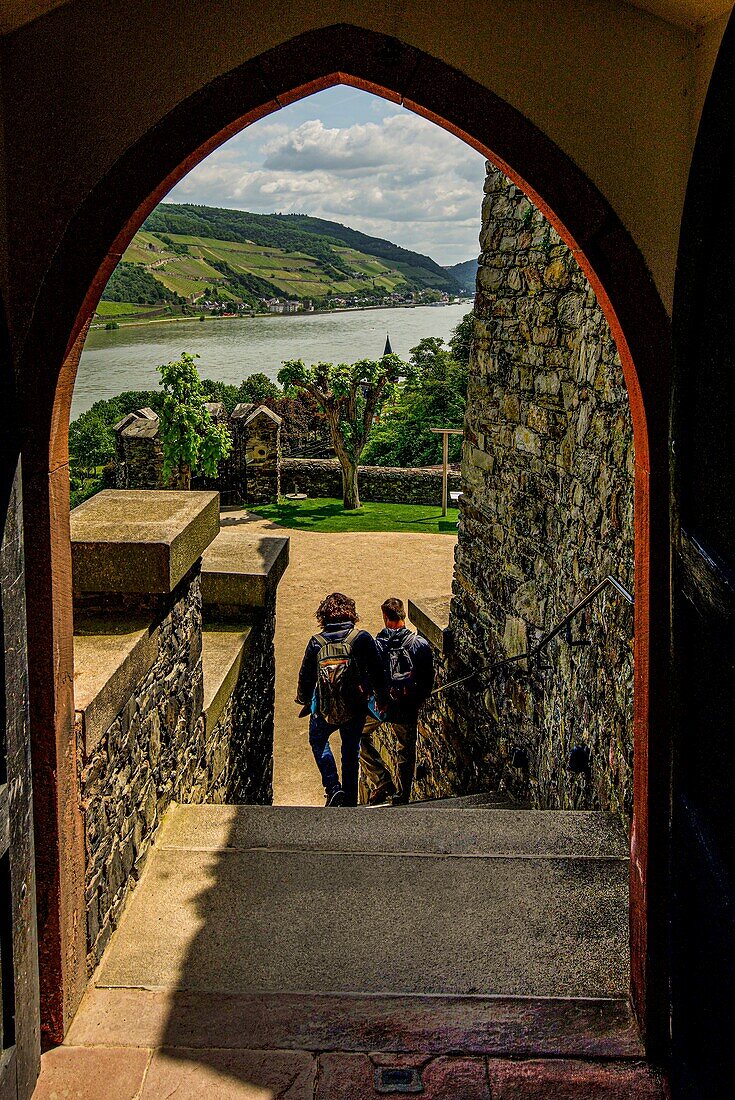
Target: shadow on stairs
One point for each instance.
(464, 951)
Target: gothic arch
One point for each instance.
(91, 247)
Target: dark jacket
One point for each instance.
(364, 652)
(422, 657)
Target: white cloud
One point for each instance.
(400, 177)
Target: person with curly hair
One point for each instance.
(339, 673)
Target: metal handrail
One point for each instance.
(544, 641)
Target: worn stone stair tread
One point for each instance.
(510, 1026)
(430, 831)
(243, 900)
(491, 800)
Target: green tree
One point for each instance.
(192, 443)
(433, 396)
(259, 389)
(350, 396)
(460, 341)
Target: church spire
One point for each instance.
(388, 348)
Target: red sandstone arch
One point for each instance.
(90, 249)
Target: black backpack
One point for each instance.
(338, 681)
(400, 671)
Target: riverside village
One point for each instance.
(367, 555)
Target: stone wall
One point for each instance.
(547, 511)
(152, 754)
(250, 474)
(257, 443)
(167, 709)
(322, 477)
(138, 453)
(248, 729)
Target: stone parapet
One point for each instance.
(141, 746)
(430, 616)
(223, 651)
(111, 657)
(134, 541)
(168, 709)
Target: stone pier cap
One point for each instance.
(241, 571)
(430, 616)
(140, 541)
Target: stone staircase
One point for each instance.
(516, 912)
(463, 949)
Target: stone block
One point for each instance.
(567, 1079)
(223, 651)
(430, 616)
(363, 1075)
(138, 541)
(87, 1073)
(111, 657)
(240, 572)
(231, 1075)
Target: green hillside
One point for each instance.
(465, 274)
(186, 255)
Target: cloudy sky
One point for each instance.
(351, 157)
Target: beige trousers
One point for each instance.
(376, 777)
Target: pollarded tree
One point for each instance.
(350, 396)
(192, 443)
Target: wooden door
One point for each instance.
(702, 942)
(19, 998)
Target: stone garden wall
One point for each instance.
(547, 511)
(322, 477)
(139, 455)
(250, 474)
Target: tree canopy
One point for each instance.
(350, 395)
(192, 443)
(433, 395)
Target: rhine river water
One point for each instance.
(230, 349)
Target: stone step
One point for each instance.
(260, 900)
(441, 831)
(488, 800)
(507, 1026)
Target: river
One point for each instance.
(232, 348)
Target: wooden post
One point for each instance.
(445, 470)
(445, 434)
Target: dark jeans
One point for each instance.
(350, 733)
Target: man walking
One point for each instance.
(408, 669)
(339, 673)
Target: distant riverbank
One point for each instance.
(126, 358)
(174, 318)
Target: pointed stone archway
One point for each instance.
(91, 248)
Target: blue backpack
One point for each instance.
(400, 670)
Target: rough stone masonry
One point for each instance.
(174, 700)
(547, 512)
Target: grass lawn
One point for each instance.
(322, 514)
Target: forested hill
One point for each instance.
(198, 257)
(465, 274)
